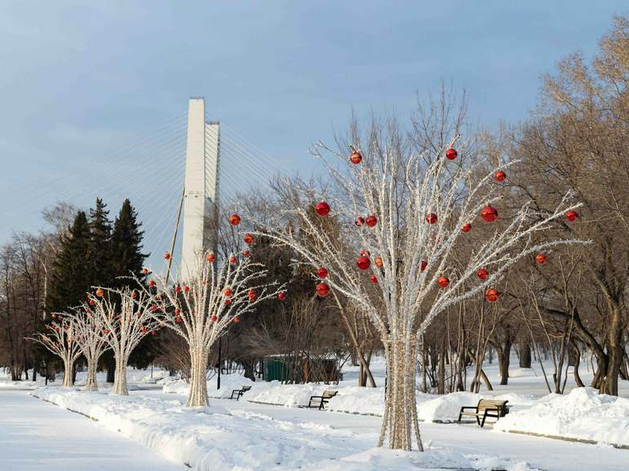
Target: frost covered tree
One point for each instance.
(60, 338)
(202, 304)
(402, 215)
(126, 317)
(90, 331)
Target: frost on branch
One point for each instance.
(391, 232)
(200, 307)
(60, 339)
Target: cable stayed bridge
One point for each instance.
(151, 173)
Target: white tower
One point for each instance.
(200, 186)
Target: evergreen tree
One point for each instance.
(126, 244)
(100, 264)
(70, 278)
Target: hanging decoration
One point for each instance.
(489, 214)
(571, 216)
(451, 154)
(359, 221)
(322, 208)
(374, 279)
(500, 176)
(467, 227)
(431, 218)
(371, 220)
(234, 219)
(482, 274)
(322, 272)
(492, 295)
(281, 296)
(378, 261)
(443, 281)
(423, 265)
(323, 289)
(355, 157)
(167, 256)
(363, 263)
(248, 238)
(210, 257)
(541, 258)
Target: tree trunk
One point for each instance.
(504, 354)
(577, 361)
(399, 422)
(110, 364)
(68, 367)
(91, 383)
(525, 354)
(120, 381)
(198, 382)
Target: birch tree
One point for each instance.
(126, 317)
(60, 338)
(90, 335)
(201, 306)
(401, 214)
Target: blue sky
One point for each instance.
(79, 80)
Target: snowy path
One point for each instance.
(544, 453)
(35, 435)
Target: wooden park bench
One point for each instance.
(485, 408)
(240, 392)
(323, 399)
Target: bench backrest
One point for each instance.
(491, 404)
(245, 388)
(328, 393)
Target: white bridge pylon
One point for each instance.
(200, 195)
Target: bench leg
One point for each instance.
(484, 417)
(321, 404)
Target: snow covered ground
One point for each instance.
(255, 434)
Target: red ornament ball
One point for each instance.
(500, 176)
(322, 273)
(378, 261)
(466, 227)
(151, 284)
(210, 257)
(281, 296)
(234, 219)
(236, 319)
(431, 218)
(100, 293)
(541, 258)
(145, 271)
(322, 208)
(363, 262)
(355, 157)
(227, 301)
(167, 256)
(492, 295)
(323, 289)
(371, 220)
(571, 216)
(233, 259)
(489, 214)
(213, 318)
(248, 238)
(228, 292)
(374, 279)
(451, 154)
(443, 281)
(424, 264)
(359, 221)
(246, 253)
(482, 274)
(186, 289)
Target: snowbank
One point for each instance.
(228, 384)
(218, 439)
(583, 414)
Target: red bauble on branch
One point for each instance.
(482, 274)
(233, 259)
(167, 256)
(378, 261)
(213, 318)
(431, 218)
(234, 219)
(363, 263)
(451, 154)
(322, 273)
(500, 176)
(100, 293)
(323, 289)
(322, 208)
(228, 292)
(424, 264)
(489, 214)
(443, 281)
(210, 257)
(151, 284)
(281, 296)
(374, 279)
(236, 319)
(466, 227)
(571, 216)
(492, 295)
(355, 157)
(246, 253)
(371, 220)
(541, 258)
(359, 221)
(248, 238)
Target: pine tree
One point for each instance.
(126, 244)
(100, 265)
(70, 278)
